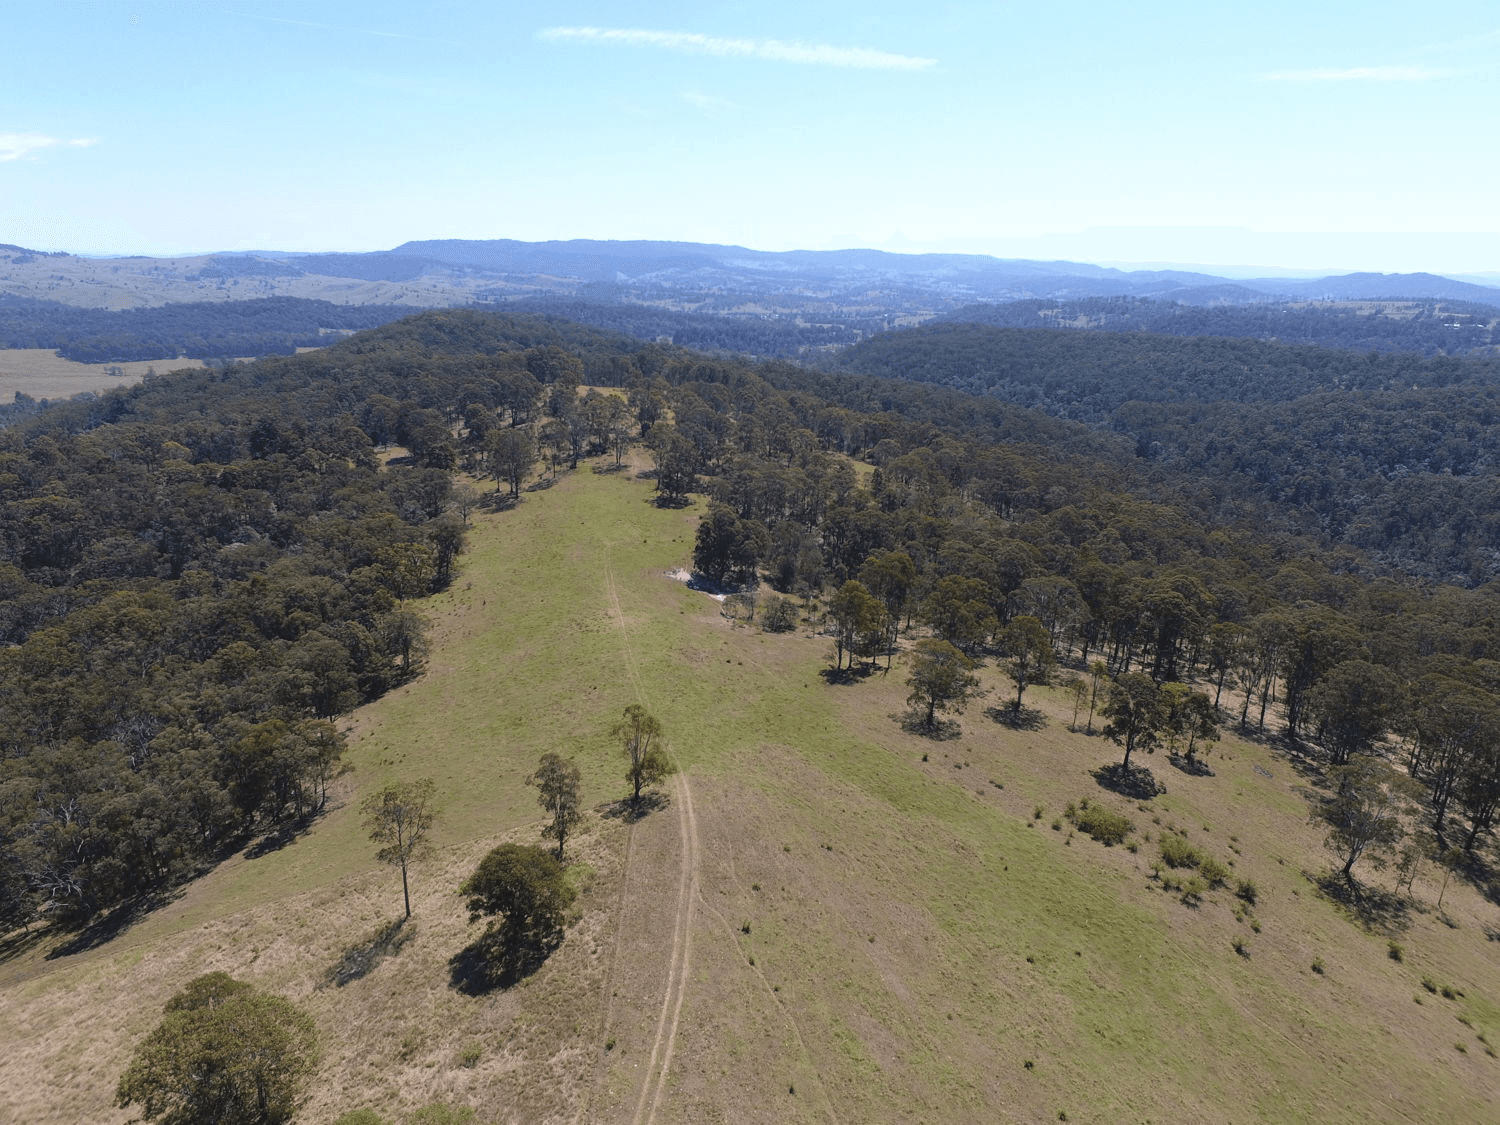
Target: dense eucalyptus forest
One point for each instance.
(201, 572)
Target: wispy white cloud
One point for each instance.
(16, 146)
(773, 50)
(1361, 74)
(706, 102)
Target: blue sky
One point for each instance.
(1172, 131)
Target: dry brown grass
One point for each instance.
(42, 373)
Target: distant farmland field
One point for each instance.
(41, 373)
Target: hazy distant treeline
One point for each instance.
(191, 330)
(1425, 327)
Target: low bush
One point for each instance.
(1177, 852)
(1107, 827)
(1213, 872)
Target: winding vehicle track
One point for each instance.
(664, 1044)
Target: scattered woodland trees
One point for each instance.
(557, 784)
(400, 817)
(524, 890)
(639, 734)
(187, 563)
(942, 679)
(223, 1052)
(1028, 648)
(1364, 814)
(1136, 713)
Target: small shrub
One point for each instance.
(1255, 924)
(1448, 992)
(1057, 825)
(1245, 889)
(1036, 813)
(1242, 947)
(1395, 951)
(1192, 892)
(1107, 827)
(1177, 852)
(1317, 965)
(1029, 1063)
(744, 927)
(609, 1044)
(469, 1057)
(1430, 985)
(1213, 872)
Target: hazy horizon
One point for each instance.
(1331, 137)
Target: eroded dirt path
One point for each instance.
(682, 955)
(642, 916)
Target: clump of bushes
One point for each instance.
(1213, 872)
(1104, 825)
(1177, 852)
(779, 615)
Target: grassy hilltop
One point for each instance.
(827, 918)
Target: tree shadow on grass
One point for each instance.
(1194, 766)
(940, 730)
(630, 812)
(19, 942)
(850, 675)
(490, 962)
(1136, 782)
(662, 500)
(105, 927)
(1377, 910)
(1027, 718)
(288, 832)
(360, 958)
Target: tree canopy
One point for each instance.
(223, 1052)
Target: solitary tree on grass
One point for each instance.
(223, 1052)
(941, 679)
(399, 816)
(1364, 815)
(523, 887)
(557, 792)
(639, 733)
(1136, 713)
(1028, 647)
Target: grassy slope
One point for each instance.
(874, 937)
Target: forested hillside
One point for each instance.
(1393, 453)
(204, 569)
(1425, 327)
(188, 330)
(200, 572)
